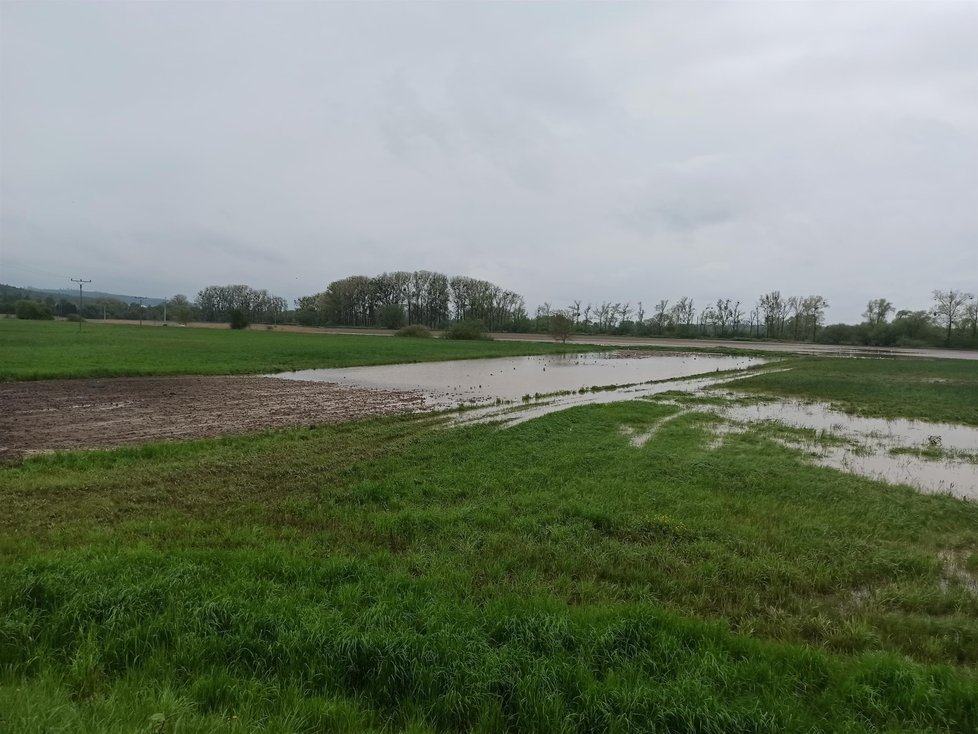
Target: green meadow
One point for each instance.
(401, 574)
(37, 350)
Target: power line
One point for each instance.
(81, 284)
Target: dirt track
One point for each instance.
(48, 415)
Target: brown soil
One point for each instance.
(49, 415)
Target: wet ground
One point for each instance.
(74, 414)
(932, 457)
(938, 458)
(49, 415)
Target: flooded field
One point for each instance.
(931, 457)
(70, 414)
(483, 381)
(937, 458)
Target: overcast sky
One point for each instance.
(592, 151)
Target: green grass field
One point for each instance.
(398, 575)
(34, 350)
(389, 575)
(931, 389)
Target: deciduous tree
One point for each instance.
(948, 308)
(812, 311)
(877, 311)
(561, 326)
(774, 309)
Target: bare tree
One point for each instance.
(948, 307)
(601, 314)
(736, 316)
(708, 316)
(684, 312)
(722, 315)
(660, 314)
(971, 316)
(775, 309)
(793, 306)
(813, 312)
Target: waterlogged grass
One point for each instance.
(930, 389)
(385, 576)
(34, 350)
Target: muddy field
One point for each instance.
(50, 415)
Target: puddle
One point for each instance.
(895, 432)
(867, 444)
(948, 476)
(485, 381)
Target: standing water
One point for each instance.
(482, 381)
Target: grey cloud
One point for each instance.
(592, 151)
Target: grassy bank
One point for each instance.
(382, 575)
(34, 350)
(930, 389)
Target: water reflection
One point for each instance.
(485, 381)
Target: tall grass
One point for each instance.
(364, 645)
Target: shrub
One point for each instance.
(467, 329)
(415, 330)
(32, 310)
(561, 327)
(238, 320)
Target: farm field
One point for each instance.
(58, 349)
(402, 573)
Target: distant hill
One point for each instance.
(71, 294)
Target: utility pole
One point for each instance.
(164, 312)
(140, 299)
(81, 284)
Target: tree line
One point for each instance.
(952, 320)
(435, 300)
(213, 303)
(773, 316)
(241, 303)
(392, 300)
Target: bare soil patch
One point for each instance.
(50, 415)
